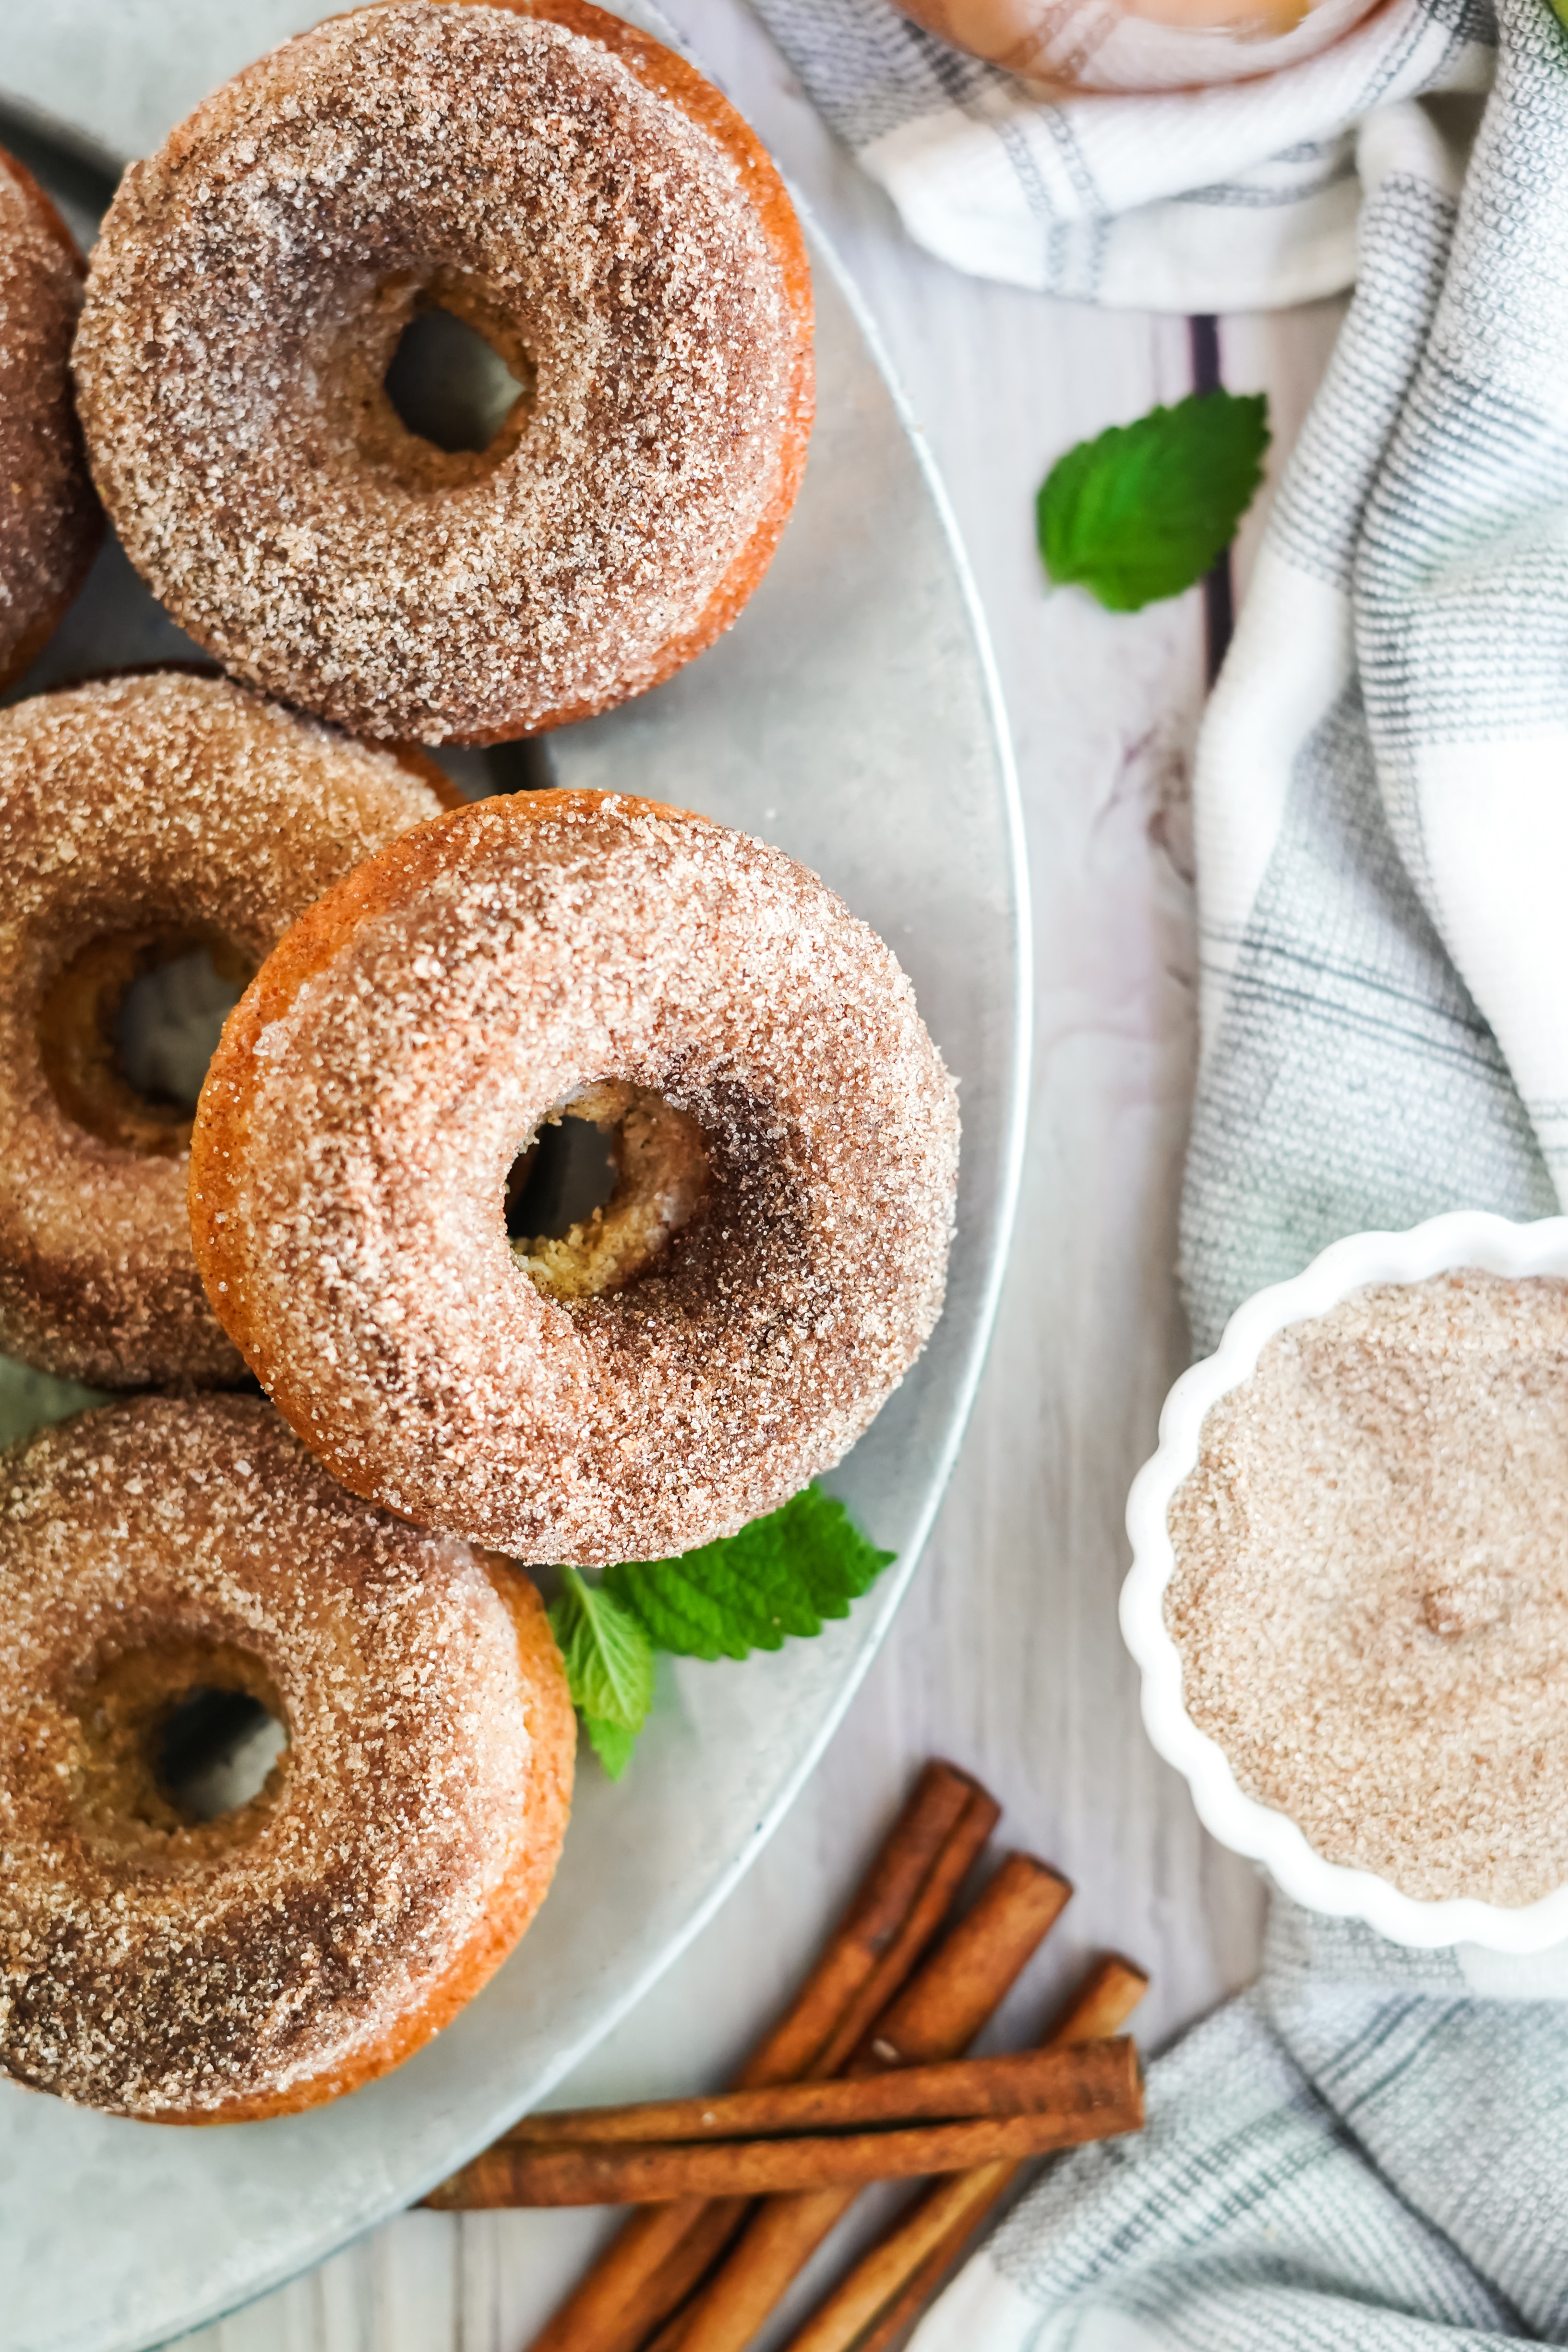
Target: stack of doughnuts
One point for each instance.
(421, 988)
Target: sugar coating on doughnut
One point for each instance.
(50, 519)
(247, 295)
(178, 1972)
(137, 803)
(354, 1135)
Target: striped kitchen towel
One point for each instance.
(1368, 2152)
(1239, 197)
(1382, 786)
(1360, 2155)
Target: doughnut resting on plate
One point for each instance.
(591, 210)
(196, 1962)
(768, 1267)
(50, 521)
(158, 831)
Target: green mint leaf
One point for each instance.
(609, 1658)
(839, 1564)
(612, 1743)
(1147, 508)
(779, 1575)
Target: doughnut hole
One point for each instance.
(127, 1028)
(187, 1742)
(649, 1165)
(438, 380)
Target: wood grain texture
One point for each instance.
(1006, 1655)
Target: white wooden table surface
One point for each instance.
(1006, 1655)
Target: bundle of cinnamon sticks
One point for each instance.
(863, 2079)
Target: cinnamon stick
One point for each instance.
(937, 2016)
(655, 2256)
(1019, 2082)
(937, 1839)
(1094, 2093)
(915, 1938)
(716, 2224)
(655, 2262)
(976, 2193)
(942, 2008)
(889, 2285)
(1102, 2005)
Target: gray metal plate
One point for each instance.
(850, 717)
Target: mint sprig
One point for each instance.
(1144, 509)
(781, 1576)
(609, 1663)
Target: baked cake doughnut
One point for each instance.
(587, 202)
(769, 1266)
(192, 1970)
(144, 819)
(50, 521)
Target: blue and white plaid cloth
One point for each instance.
(1368, 2152)
(1235, 198)
(1357, 2156)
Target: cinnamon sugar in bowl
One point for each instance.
(1349, 1586)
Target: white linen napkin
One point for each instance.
(1239, 197)
(1368, 2152)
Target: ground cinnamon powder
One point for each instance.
(1371, 1590)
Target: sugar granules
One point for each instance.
(1371, 1590)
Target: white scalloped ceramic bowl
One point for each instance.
(1467, 1238)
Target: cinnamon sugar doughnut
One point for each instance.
(50, 521)
(770, 1267)
(584, 198)
(143, 818)
(188, 1971)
